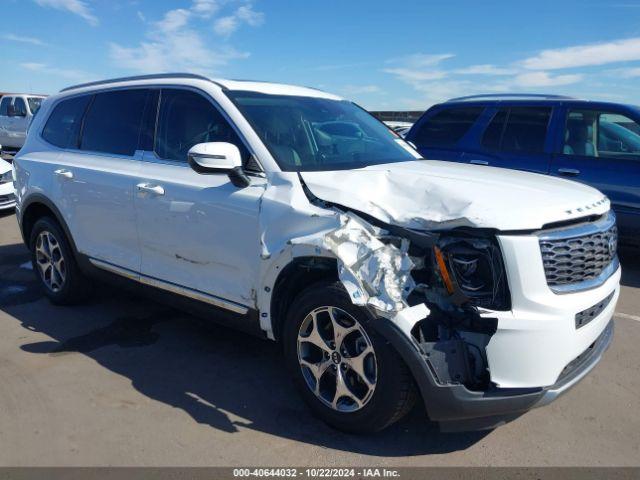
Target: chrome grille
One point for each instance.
(580, 257)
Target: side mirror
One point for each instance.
(218, 157)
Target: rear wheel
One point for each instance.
(347, 373)
(54, 263)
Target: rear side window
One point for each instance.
(34, 104)
(113, 122)
(4, 106)
(20, 107)
(447, 127)
(186, 119)
(518, 129)
(63, 125)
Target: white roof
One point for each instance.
(274, 88)
(243, 85)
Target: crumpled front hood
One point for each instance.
(436, 195)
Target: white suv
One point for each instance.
(296, 215)
(16, 113)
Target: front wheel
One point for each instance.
(347, 373)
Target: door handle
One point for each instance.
(479, 162)
(148, 188)
(63, 173)
(569, 172)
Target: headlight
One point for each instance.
(6, 177)
(475, 267)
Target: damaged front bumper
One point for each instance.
(456, 408)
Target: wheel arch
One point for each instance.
(38, 206)
(298, 274)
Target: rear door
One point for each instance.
(601, 147)
(198, 232)
(517, 137)
(440, 134)
(97, 174)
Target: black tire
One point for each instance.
(394, 394)
(75, 287)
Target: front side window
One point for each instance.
(19, 107)
(187, 118)
(113, 122)
(601, 134)
(446, 128)
(518, 130)
(310, 133)
(34, 104)
(4, 106)
(63, 126)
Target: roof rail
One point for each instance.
(141, 77)
(506, 96)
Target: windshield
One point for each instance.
(308, 133)
(34, 104)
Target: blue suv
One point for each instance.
(596, 143)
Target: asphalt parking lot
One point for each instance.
(124, 381)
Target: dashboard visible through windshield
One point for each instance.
(311, 134)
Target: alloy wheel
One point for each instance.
(50, 261)
(337, 359)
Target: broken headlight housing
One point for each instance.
(476, 270)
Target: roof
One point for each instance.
(225, 84)
(530, 99)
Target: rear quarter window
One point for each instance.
(447, 127)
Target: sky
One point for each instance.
(402, 55)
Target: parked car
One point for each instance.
(401, 128)
(7, 197)
(596, 143)
(16, 113)
(385, 277)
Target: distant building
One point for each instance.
(398, 116)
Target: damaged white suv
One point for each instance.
(294, 214)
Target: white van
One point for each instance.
(16, 112)
(296, 215)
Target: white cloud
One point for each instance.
(417, 68)
(585, 55)
(173, 20)
(225, 26)
(77, 7)
(485, 69)
(70, 74)
(173, 44)
(418, 60)
(543, 79)
(205, 8)
(23, 39)
(411, 76)
(247, 14)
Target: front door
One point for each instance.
(196, 231)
